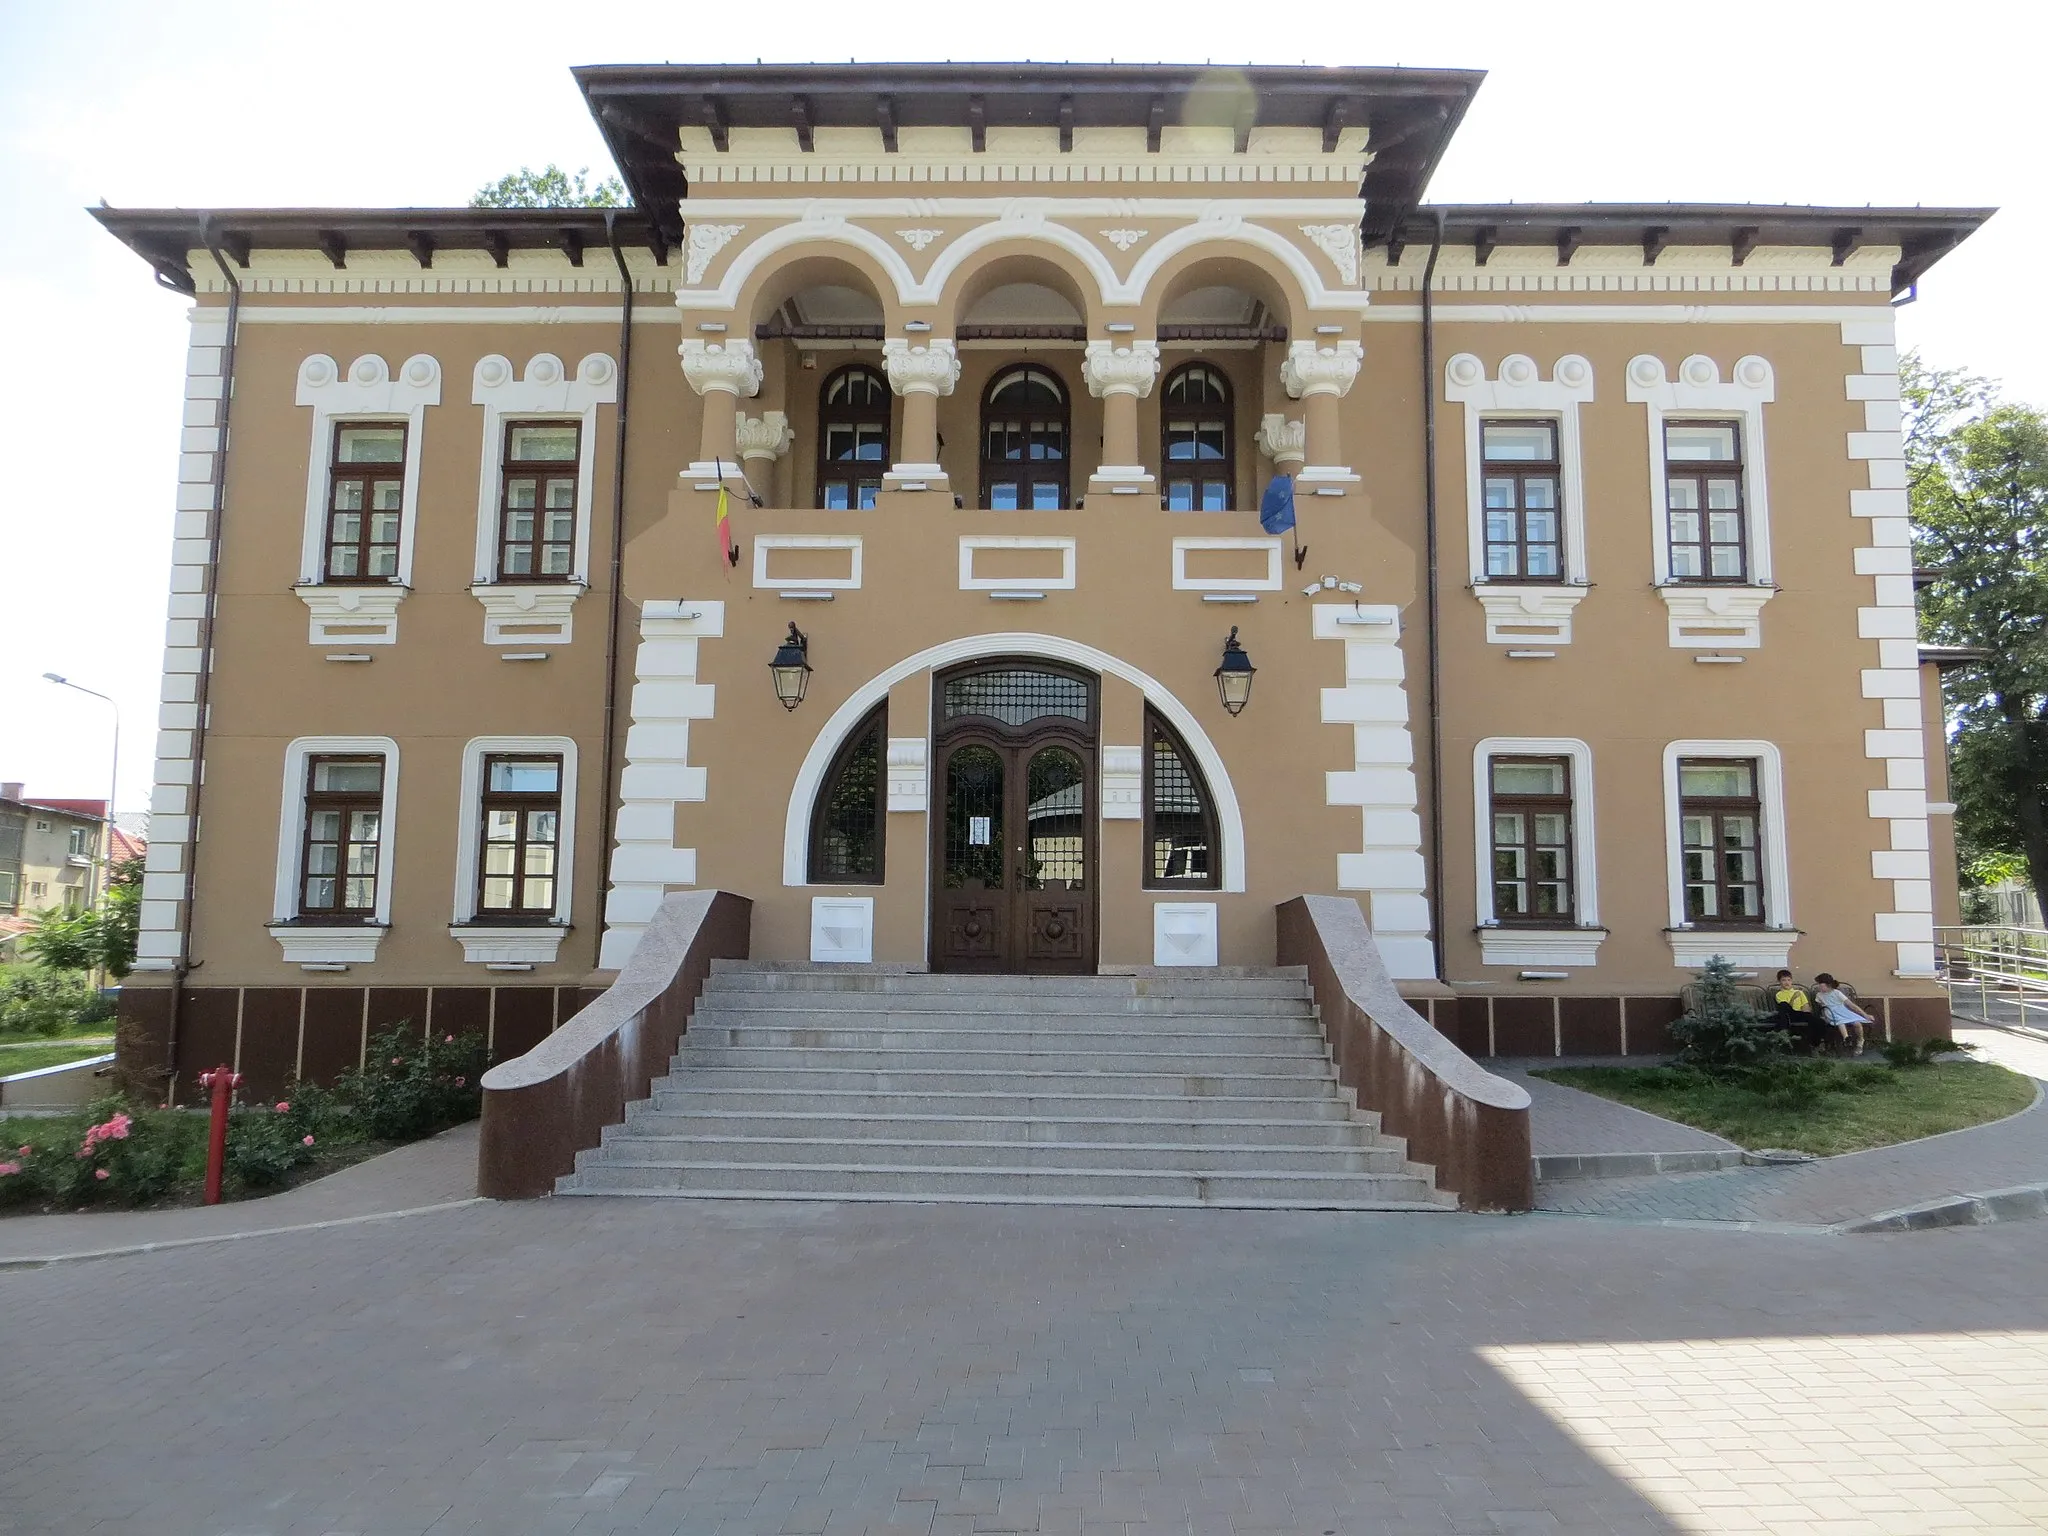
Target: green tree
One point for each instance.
(100, 939)
(550, 187)
(1977, 472)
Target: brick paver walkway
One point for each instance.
(653, 1366)
(1840, 1189)
(1564, 1122)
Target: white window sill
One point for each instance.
(346, 614)
(1502, 944)
(528, 613)
(327, 949)
(1526, 613)
(510, 944)
(1745, 948)
(1707, 616)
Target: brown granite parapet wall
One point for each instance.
(555, 1101)
(1472, 1126)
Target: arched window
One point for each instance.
(1196, 448)
(847, 822)
(853, 437)
(1024, 441)
(1182, 850)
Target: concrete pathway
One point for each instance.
(1575, 1135)
(1851, 1188)
(426, 1174)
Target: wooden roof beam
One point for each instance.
(1333, 123)
(499, 247)
(1655, 239)
(885, 119)
(1155, 123)
(800, 118)
(1847, 243)
(333, 246)
(1485, 240)
(1742, 243)
(571, 241)
(977, 122)
(1569, 239)
(714, 120)
(1066, 125)
(422, 246)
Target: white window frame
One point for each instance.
(1575, 943)
(368, 393)
(291, 825)
(546, 391)
(1519, 392)
(1699, 392)
(469, 829)
(1743, 945)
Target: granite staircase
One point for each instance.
(820, 1083)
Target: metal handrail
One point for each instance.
(1999, 964)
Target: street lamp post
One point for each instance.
(96, 884)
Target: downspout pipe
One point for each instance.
(203, 687)
(1436, 658)
(616, 598)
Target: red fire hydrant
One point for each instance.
(223, 1083)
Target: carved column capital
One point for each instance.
(1129, 368)
(766, 436)
(1329, 369)
(728, 367)
(931, 367)
(1285, 442)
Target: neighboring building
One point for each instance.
(47, 852)
(1599, 659)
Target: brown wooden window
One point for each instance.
(847, 824)
(1721, 833)
(1024, 441)
(853, 437)
(365, 503)
(1532, 839)
(1703, 500)
(1182, 851)
(537, 507)
(1521, 479)
(1196, 448)
(522, 834)
(344, 821)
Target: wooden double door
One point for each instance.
(1014, 842)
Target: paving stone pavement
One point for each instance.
(804, 1369)
(1563, 1122)
(2001, 1155)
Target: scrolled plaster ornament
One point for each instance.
(730, 367)
(918, 239)
(767, 436)
(1339, 242)
(932, 367)
(702, 245)
(1124, 239)
(1129, 369)
(1285, 442)
(1325, 370)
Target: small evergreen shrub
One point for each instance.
(1920, 1053)
(1720, 1031)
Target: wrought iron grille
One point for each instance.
(1055, 808)
(974, 819)
(1016, 697)
(1179, 816)
(848, 846)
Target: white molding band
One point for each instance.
(314, 944)
(803, 793)
(1506, 944)
(1123, 783)
(163, 915)
(645, 860)
(1373, 706)
(1694, 946)
(909, 774)
(971, 543)
(765, 543)
(1519, 390)
(1270, 582)
(1901, 806)
(469, 826)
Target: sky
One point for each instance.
(170, 104)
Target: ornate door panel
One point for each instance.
(1014, 840)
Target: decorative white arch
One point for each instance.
(830, 228)
(804, 793)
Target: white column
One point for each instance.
(721, 372)
(920, 372)
(1319, 375)
(1120, 375)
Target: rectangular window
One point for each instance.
(38, 889)
(7, 887)
(1532, 839)
(344, 820)
(1703, 500)
(81, 840)
(1721, 834)
(365, 500)
(1520, 476)
(522, 815)
(537, 506)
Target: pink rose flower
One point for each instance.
(7, 1168)
(282, 1106)
(395, 1060)
(307, 1142)
(458, 1082)
(99, 1173)
(448, 1039)
(26, 1150)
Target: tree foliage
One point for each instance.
(550, 187)
(100, 939)
(1977, 469)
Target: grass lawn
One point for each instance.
(1857, 1106)
(50, 1053)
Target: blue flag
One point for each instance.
(1276, 507)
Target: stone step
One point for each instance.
(832, 1034)
(996, 1056)
(799, 1124)
(636, 1145)
(828, 1181)
(922, 983)
(1074, 1103)
(1309, 1080)
(1085, 1010)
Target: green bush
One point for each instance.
(413, 1085)
(1720, 1031)
(35, 1000)
(1920, 1053)
(106, 1157)
(268, 1142)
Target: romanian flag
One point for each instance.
(725, 548)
